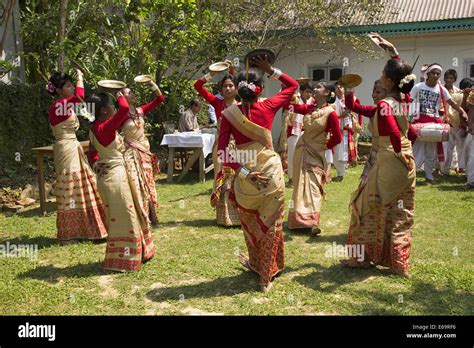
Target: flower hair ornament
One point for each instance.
(407, 79)
(50, 87)
(332, 95)
(251, 86)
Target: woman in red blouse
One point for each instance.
(129, 243)
(322, 132)
(141, 163)
(222, 197)
(259, 186)
(383, 206)
(353, 104)
(80, 210)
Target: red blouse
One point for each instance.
(387, 125)
(332, 127)
(260, 113)
(218, 104)
(106, 131)
(60, 111)
(153, 104)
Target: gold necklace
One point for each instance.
(135, 116)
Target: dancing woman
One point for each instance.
(382, 207)
(129, 243)
(141, 163)
(80, 210)
(222, 197)
(259, 186)
(310, 165)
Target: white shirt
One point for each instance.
(427, 100)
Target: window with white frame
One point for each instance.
(325, 73)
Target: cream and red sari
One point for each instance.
(130, 241)
(223, 196)
(310, 170)
(261, 210)
(382, 207)
(141, 163)
(80, 210)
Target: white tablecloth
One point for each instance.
(190, 139)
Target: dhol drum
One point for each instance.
(432, 132)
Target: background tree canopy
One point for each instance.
(172, 40)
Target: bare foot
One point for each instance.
(244, 261)
(266, 288)
(401, 273)
(315, 231)
(353, 263)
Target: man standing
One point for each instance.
(428, 97)
(454, 147)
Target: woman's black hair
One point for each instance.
(331, 88)
(396, 70)
(451, 72)
(59, 79)
(194, 102)
(100, 100)
(254, 76)
(224, 79)
(305, 86)
(466, 83)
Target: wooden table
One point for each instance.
(41, 152)
(200, 150)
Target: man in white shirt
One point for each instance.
(427, 98)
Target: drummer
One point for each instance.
(188, 121)
(428, 96)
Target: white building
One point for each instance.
(439, 31)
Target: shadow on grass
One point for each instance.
(194, 223)
(51, 208)
(427, 297)
(225, 286)
(192, 177)
(51, 274)
(322, 238)
(202, 193)
(335, 276)
(41, 241)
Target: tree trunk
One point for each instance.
(62, 33)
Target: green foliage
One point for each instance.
(114, 39)
(172, 40)
(24, 120)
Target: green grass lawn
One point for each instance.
(196, 270)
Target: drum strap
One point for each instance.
(443, 100)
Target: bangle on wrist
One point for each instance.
(80, 78)
(276, 74)
(244, 172)
(208, 77)
(154, 87)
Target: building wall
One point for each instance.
(447, 49)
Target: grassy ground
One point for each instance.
(196, 270)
